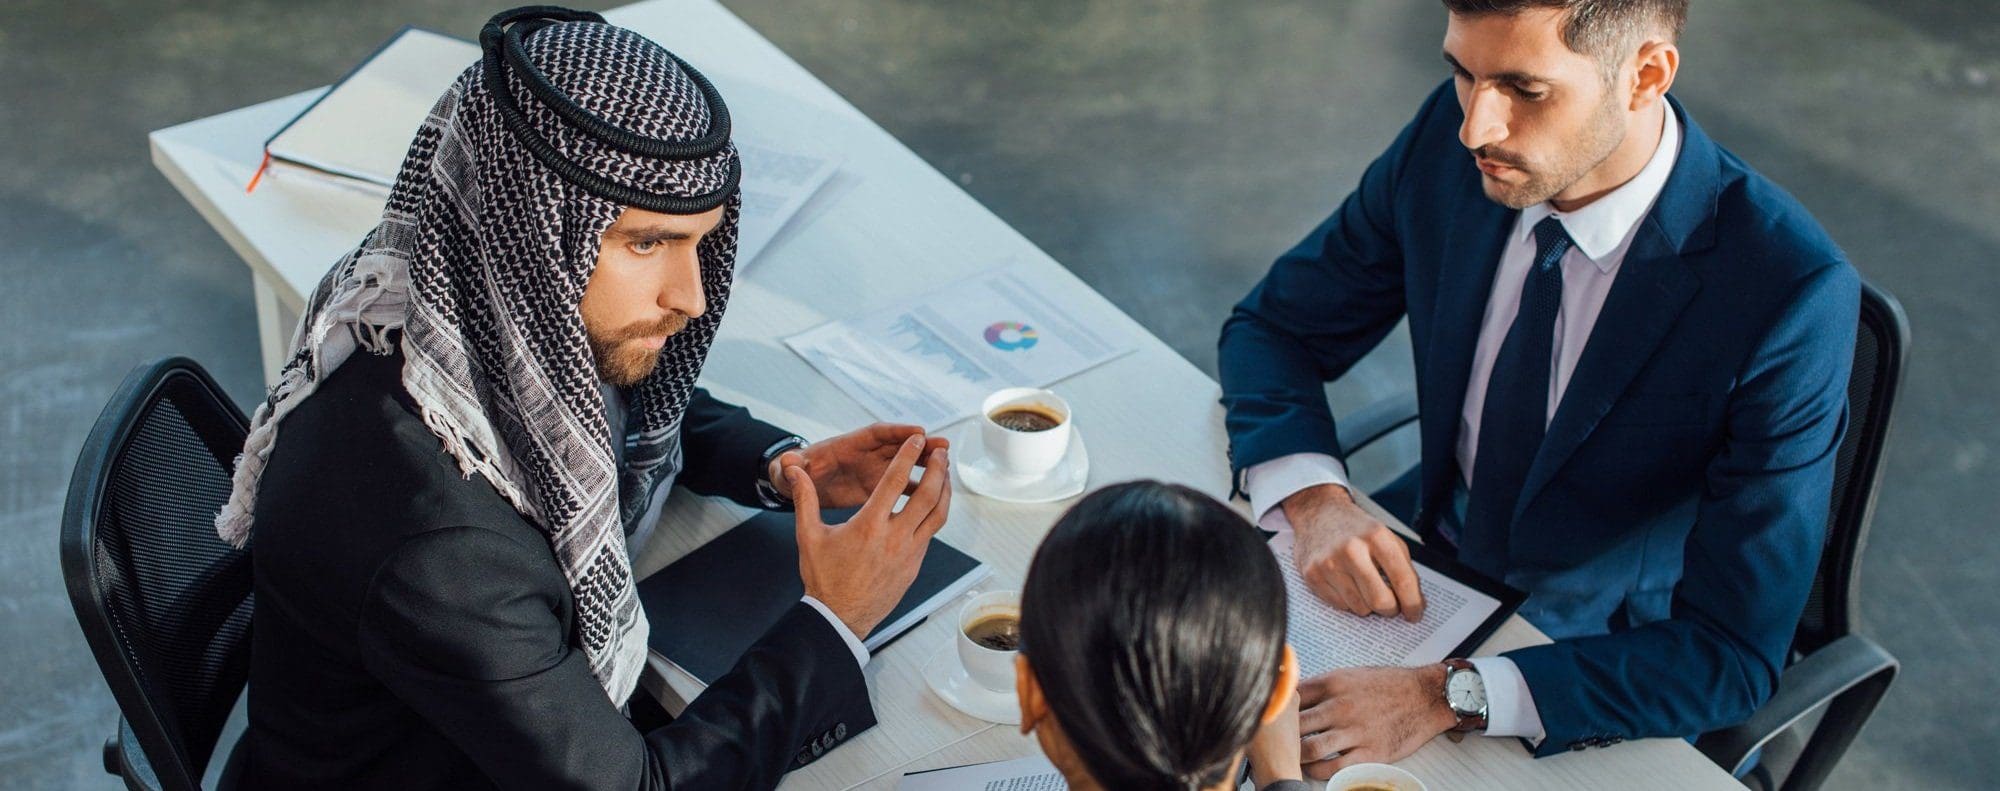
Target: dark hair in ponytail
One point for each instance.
(1153, 618)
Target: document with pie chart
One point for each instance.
(931, 360)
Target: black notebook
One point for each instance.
(709, 607)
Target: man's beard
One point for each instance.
(621, 359)
(1602, 134)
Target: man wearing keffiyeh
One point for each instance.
(485, 398)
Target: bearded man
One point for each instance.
(1632, 355)
(487, 397)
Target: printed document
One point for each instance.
(1026, 774)
(777, 182)
(932, 360)
(1326, 638)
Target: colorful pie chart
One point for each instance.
(1009, 336)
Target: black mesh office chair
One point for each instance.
(163, 602)
(1832, 667)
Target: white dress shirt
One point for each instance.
(614, 413)
(1601, 232)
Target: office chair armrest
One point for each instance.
(1849, 674)
(1370, 423)
(124, 759)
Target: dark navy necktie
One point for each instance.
(1515, 415)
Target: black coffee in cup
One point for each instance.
(999, 631)
(1026, 417)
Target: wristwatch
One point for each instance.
(1465, 693)
(767, 492)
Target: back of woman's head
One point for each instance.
(1153, 620)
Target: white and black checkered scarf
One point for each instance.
(476, 272)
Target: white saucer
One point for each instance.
(947, 680)
(980, 477)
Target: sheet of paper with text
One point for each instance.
(1326, 638)
(1033, 773)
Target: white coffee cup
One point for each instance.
(1024, 454)
(1376, 774)
(989, 668)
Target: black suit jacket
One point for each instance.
(413, 631)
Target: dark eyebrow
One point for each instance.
(1516, 78)
(654, 234)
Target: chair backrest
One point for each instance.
(163, 602)
(1881, 344)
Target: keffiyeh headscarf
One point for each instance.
(476, 272)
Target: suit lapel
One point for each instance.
(1652, 289)
(1654, 285)
(1473, 241)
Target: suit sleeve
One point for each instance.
(462, 625)
(723, 446)
(1323, 305)
(1749, 560)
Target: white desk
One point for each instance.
(887, 226)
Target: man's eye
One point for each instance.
(645, 247)
(1533, 96)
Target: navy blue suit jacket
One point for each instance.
(1671, 523)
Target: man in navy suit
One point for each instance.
(1631, 353)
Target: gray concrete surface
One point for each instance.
(1163, 150)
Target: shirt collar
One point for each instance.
(1599, 228)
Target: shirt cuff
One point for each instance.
(1510, 706)
(854, 643)
(1269, 483)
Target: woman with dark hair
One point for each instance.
(1153, 653)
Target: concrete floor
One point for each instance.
(1164, 150)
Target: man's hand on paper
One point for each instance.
(860, 569)
(1370, 714)
(845, 469)
(1350, 559)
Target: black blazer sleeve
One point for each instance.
(723, 447)
(470, 628)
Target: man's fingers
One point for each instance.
(1311, 691)
(1317, 716)
(1394, 560)
(1375, 594)
(925, 498)
(892, 433)
(1327, 745)
(791, 458)
(1322, 584)
(1342, 582)
(1319, 770)
(805, 502)
(1358, 755)
(883, 499)
(934, 521)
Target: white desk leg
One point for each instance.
(275, 323)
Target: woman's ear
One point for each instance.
(1281, 694)
(1033, 708)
